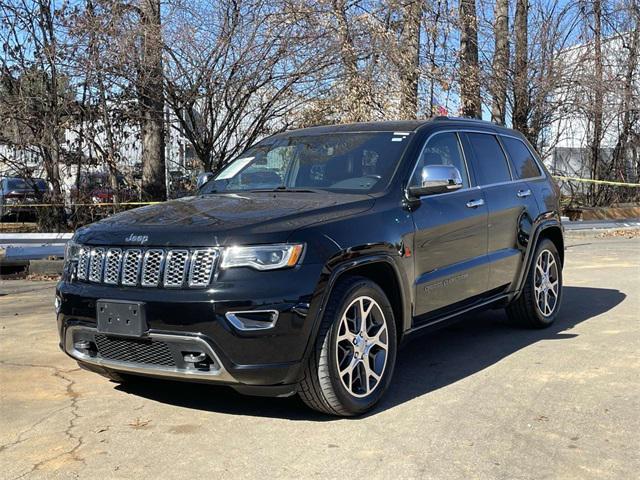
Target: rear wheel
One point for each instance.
(539, 303)
(355, 350)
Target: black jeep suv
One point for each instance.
(303, 265)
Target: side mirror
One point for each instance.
(437, 179)
(203, 178)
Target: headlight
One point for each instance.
(71, 251)
(262, 257)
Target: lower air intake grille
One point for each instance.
(134, 351)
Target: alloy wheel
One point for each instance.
(546, 285)
(362, 346)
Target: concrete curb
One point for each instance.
(596, 232)
(46, 267)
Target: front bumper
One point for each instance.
(182, 322)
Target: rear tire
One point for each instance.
(539, 302)
(352, 361)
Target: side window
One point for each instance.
(442, 149)
(491, 164)
(521, 158)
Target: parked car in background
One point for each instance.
(96, 188)
(17, 195)
(303, 265)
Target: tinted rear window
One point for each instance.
(491, 164)
(521, 158)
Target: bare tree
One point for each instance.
(598, 96)
(469, 67)
(500, 62)
(151, 88)
(36, 99)
(239, 77)
(521, 69)
(412, 11)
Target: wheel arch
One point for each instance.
(548, 229)
(381, 269)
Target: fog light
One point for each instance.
(194, 357)
(82, 345)
(57, 303)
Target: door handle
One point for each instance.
(475, 203)
(523, 193)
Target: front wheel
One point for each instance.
(539, 303)
(354, 355)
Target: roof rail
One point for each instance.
(465, 119)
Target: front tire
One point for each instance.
(354, 354)
(539, 303)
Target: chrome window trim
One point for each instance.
(475, 187)
(219, 375)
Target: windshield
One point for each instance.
(358, 162)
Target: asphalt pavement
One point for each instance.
(477, 400)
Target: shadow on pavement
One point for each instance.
(425, 364)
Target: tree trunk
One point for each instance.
(521, 68)
(500, 61)
(152, 102)
(359, 108)
(469, 69)
(597, 98)
(410, 60)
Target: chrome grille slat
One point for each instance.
(112, 266)
(96, 264)
(201, 268)
(175, 271)
(152, 267)
(131, 267)
(83, 262)
(147, 267)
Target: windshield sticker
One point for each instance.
(404, 134)
(232, 170)
(397, 139)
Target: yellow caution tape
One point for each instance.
(600, 182)
(138, 204)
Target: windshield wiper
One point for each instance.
(283, 188)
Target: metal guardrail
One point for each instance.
(21, 247)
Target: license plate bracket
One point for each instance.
(119, 317)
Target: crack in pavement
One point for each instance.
(77, 440)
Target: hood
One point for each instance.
(223, 219)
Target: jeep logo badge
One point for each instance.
(141, 239)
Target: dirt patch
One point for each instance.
(621, 233)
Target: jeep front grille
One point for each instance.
(150, 267)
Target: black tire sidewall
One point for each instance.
(353, 404)
(545, 245)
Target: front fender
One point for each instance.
(347, 262)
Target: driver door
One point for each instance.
(450, 240)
